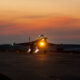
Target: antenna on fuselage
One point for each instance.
(29, 50)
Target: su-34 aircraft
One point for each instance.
(39, 45)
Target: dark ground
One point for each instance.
(55, 66)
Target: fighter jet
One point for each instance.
(38, 45)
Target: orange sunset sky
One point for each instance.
(59, 20)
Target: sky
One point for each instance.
(59, 20)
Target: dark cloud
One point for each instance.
(33, 17)
(4, 26)
(38, 16)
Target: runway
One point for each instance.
(55, 66)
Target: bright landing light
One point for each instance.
(42, 44)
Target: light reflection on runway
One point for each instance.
(42, 58)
